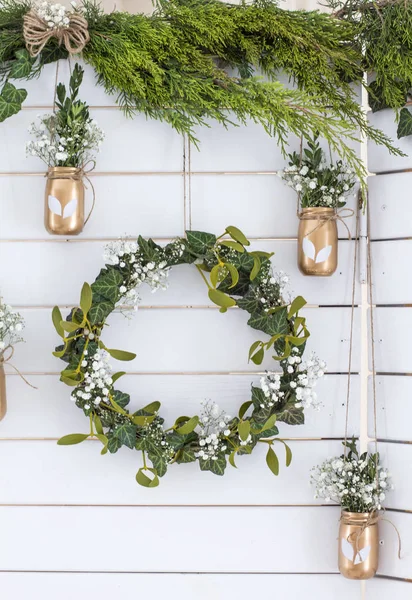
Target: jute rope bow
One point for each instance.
(79, 173)
(4, 360)
(37, 33)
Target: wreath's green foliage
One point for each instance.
(383, 30)
(193, 61)
(235, 275)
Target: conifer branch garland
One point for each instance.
(235, 276)
(177, 65)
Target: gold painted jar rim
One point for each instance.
(316, 211)
(63, 169)
(354, 518)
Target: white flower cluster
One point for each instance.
(97, 379)
(59, 147)
(55, 15)
(271, 289)
(11, 324)
(154, 273)
(352, 482)
(213, 427)
(302, 377)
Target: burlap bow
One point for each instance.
(338, 215)
(37, 33)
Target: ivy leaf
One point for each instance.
(11, 100)
(271, 324)
(291, 414)
(258, 397)
(72, 438)
(126, 434)
(272, 461)
(405, 123)
(86, 298)
(145, 480)
(121, 398)
(99, 312)
(200, 242)
(215, 466)
(121, 354)
(114, 444)
(159, 463)
(108, 285)
(21, 69)
(186, 456)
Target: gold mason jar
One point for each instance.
(64, 201)
(317, 242)
(358, 545)
(3, 396)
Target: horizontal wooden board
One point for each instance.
(178, 394)
(44, 264)
(145, 539)
(394, 407)
(389, 258)
(390, 209)
(391, 349)
(398, 459)
(245, 148)
(379, 159)
(48, 586)
(124, 205)
(264, 206)
(381, 589)
(80, 475)
(188, 340)
(146, 145)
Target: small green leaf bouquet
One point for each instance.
(67, 141)
(318, 182)
(69, 137)
(356, 481)
(11, 325)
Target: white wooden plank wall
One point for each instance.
(52, 499)
(391, 233)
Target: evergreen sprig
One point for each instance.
(193, 61)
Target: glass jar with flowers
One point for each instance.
(322, 188)
(11, 325)
(67, 141)
(359, 484)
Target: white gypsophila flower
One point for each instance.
(60, 145)
(11, 325)
(97, 378)
(138, 270)
(352, 482)
(55, 15)
(303, 377)
(212, 430)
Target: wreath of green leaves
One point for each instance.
(235, 276)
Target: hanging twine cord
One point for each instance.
(374, 516)
(6, 360)
(79, 174)
(37, 33)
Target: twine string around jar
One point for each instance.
(80, 173)
(37, 33)
(6, 360)
(375, 515)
